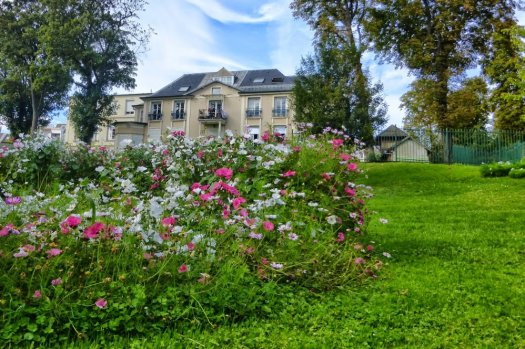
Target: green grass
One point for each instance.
(456, 278)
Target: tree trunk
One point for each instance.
(34, 107)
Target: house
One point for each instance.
(57, 132)
(397, 145)
(125, 112)
(206, 104)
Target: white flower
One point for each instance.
(276, 265)
(331, 219)
(387, 255)
(383, 220)
(141, 169)
(99, 169)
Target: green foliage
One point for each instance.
(505, 68)
(466, 105)
(99, 41)
(33, 82)
(332, 88)
(517, 172)
(192, 233)
(497, 169)
(438, 42)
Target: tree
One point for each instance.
(466, 105)
(99, 38)
(505, 69)
(354, 101)
(436, 40)
(32, 81)
(327, 92)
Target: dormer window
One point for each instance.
(258, 80)
(215, 90)
(184, 88)
(229, 80)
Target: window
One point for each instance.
(280, 130)
(178, 110)
(280, 107)
(277, 79)
(184, 88)
(258, 80)
(225, 79)
(129, 106)
(215, 90)
(156, 111)
(254, 132)
(112, 131)
(254, 107)
(215, 110)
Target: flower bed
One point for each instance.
(187, 232)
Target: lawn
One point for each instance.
(455, 278)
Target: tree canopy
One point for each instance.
(332, 87)
(438, 41)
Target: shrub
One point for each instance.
(517, 173)
(192, 231)
(499, 169)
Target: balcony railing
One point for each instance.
(280, 113)
(155, 116)
(211, 114)
(178, 115)
(254, 113)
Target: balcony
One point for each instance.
(254, 113)
(210, 116)
(155, 116)
(280, 113)
(178, 115)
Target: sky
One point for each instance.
(192, 36)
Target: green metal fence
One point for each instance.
(469, 146)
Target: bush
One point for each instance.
(517, 173)
(499, 169)
(189, 232)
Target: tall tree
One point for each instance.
(337, 25)
(100, 39)
(505, 69)
(467, 107)
(437, 40)
(32, 81)
(326, 94)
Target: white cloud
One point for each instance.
(266, 13)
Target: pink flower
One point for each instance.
(183, 268)
(336, 143)
(37, 294)
(289, 173)
(56, 282)
(224, 172)
(225, 213)
(345, 157)
(169, 221)
(237, 202)
(73, 221)
(92, 231)
(13, 200)
(101, 303)
(200, 154)
(268, 226)
(206, 197)
(359, 260)
(349, 191)
(352, 166)
(266, 136)
(53, 252)
(190, 246)
(340, 237)
(147, 256)
(178, 133)
(369, 248)
(7, 229)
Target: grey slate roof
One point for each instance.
(243, 82)
(393, 131)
